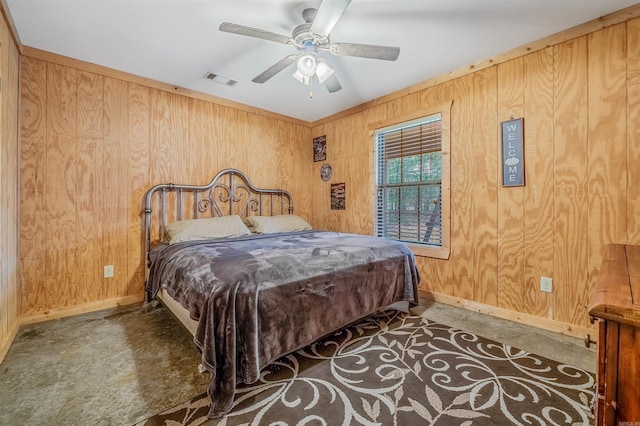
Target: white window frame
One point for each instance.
(444, 109)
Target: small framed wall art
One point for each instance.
(320, 148)
(338, 196)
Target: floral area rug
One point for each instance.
(400, 369)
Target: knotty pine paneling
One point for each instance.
(9, 196)
(93, 144)
(579, 100)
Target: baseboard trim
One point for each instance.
(80, 309)
(8, 339)
(494, 311)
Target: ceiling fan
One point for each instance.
(310, 38)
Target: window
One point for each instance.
(412, 181)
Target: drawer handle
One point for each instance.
(588, 341)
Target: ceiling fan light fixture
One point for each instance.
(323, 71)
(301, 78)
(307, 64)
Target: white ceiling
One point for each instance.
(178, 41)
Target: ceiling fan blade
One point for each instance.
(275, 69)
(371, 51)
(327, 16)
(254, 32)
(332, 84)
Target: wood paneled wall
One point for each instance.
(9, 275)
(580, 100)
(92, 144)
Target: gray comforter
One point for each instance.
(260, 297)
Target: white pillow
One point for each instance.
(204, 229)
(279, 223)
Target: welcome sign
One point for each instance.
(512, 153)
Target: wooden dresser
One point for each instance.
(616, 306)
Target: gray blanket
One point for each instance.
(260, 297)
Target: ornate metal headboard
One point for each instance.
(229, 192)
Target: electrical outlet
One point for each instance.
(546, 284)
(108, 271)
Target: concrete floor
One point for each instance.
(113, 367)
(122, 365)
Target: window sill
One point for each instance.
(424, 251)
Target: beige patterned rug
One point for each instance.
(399, 369)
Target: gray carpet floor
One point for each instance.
(122, 365)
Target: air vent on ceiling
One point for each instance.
(220, 79)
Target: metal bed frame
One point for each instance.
(229, 192)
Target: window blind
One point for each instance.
(409, 181)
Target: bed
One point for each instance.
(251, 294)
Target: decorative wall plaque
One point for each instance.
(513, 152)
(326, 172)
